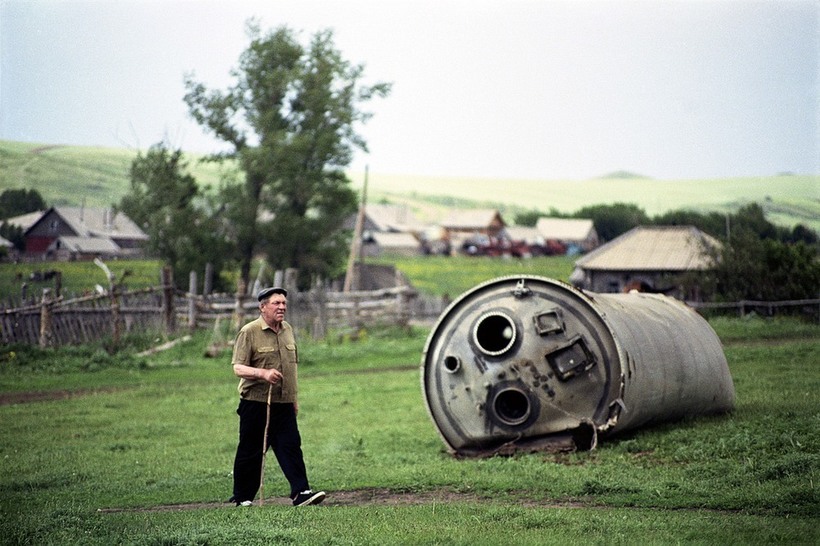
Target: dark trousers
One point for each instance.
(283, 439)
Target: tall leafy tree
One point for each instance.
(14, 202)
(290, 119)
(168, 204)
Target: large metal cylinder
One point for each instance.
(530, 363)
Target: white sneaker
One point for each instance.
(245, 503)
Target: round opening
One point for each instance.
(512, 406)
(452, 364)
(494, 333)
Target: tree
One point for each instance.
(290, 121)
(15, 202)
(748, 267)
(168, 204)
(613, 220)
(530, 217)
(713, 223)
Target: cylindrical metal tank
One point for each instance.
(530, 363)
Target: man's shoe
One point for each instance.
(308, 497)
(245, 503)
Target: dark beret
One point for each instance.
(265, 293)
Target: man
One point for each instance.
(265, 359)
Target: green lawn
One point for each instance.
(141, 453)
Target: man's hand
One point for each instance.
(271, 375)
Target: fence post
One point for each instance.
(46, 333)
(402, 303)
(192, 301)
(169, 317)
(239, 308)
(319, 330)
(209, 279)
(296, 306)
(116, 331)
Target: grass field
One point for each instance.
(71, 175)
(435, 275)
(139, 451)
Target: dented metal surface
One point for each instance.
(527, 363)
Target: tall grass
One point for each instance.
(141, 435)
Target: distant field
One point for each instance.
(787, 200)
(69, 175)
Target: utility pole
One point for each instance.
(351, 275)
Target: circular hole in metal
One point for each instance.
(512, 406)
(494, 333)
(452, 364)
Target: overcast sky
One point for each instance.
(504, 88)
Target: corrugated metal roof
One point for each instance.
(565, 229)
(652, 248)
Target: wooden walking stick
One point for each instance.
(264, 450)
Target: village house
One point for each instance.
(462, 226)
(577, 235)
(388, 228)
(648, 259)
(77, 233)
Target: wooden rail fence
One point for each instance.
(59, 321)
(162, 309)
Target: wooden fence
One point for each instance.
(162, 309)
(809, 308)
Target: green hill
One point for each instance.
(69, 175)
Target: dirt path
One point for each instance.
(364, 497)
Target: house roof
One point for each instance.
(5, 242)
(98, 222)
(387, 217)
(91, 245)
(524, 233)
(395, 240)
(565, 229)
(24, 221)
(472, 219)
(655, 248)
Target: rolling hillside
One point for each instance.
(67, 175)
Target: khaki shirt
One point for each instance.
(258, 346)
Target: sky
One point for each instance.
(505, 88)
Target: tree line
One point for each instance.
(757, 260)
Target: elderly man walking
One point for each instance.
(265, 359)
